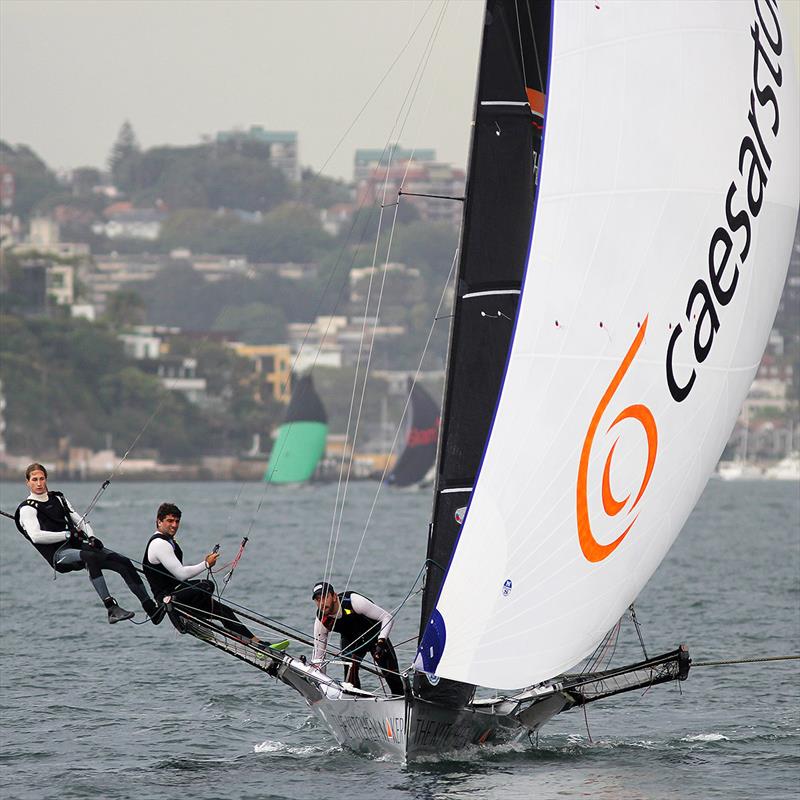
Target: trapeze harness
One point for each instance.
(54, 516)
(357, 631)
(161, 581)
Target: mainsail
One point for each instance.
(498, 212)
(667, 203)
(300, 441)
(419, 451)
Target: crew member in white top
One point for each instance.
(170, 578)
(65, 539)
(364, 627)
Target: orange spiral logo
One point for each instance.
(592, 549)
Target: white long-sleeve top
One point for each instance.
(161, 552)
(361, 605)
(30, 521)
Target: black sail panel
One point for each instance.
(305, 405)
(498, 215)
(419, 452)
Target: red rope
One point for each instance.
(234, 564)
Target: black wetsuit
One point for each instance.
(54, 515)
(197, 594)
(360, 636)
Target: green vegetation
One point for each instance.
(33, 181)
(71, 378)
(288, 233)
(65, 379)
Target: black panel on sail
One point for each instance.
(305, 405)
(420, 448)
(498, 213)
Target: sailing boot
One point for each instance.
(263, 645)
(154, 611)
(116, 613)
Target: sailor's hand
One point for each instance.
(94, 542)
(379, 651)
(211, 559)
(76, 537)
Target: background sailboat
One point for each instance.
(421, 438)
(300, 440)
(740, 468)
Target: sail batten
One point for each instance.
(668, 198)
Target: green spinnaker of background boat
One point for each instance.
(300, 442)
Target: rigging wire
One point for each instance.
(521, 48)
(532, 29)
(403, 114)
(638, 629)
(402, 417)
(336, 147)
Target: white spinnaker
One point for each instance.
(647, 109)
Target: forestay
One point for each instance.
(667, 207)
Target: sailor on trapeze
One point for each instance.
(48, 521)
(170, 582)
(364, 627)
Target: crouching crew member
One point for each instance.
(364, 627)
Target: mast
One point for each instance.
(495, 237)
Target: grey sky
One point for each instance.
(71, 71)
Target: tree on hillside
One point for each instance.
(234, 181)
(33, 180)
(428, 246)
(124, 149)
(255, 323)
(322, 192)
(84, 179)
(124, 308)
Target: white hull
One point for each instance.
(406, 728)
(739, 471)
(787, 469)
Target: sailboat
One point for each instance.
(421, 438)
(631, 200)
(300, 440)
(740, 468)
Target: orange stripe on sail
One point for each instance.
(535, 100)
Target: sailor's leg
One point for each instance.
(124, 567)
(68, 559)
(199, 595)
(229, 619)
(387, 663)
(92, 562)
(351, 671)
(351, 675)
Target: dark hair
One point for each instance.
(167, 510)
(31, 468)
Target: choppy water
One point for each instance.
(90, 710)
